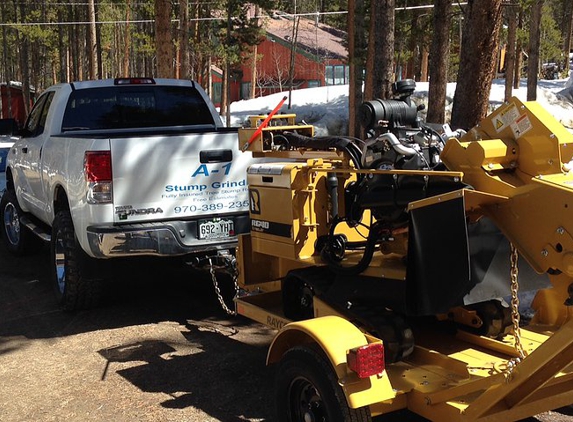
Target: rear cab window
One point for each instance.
(132, 107)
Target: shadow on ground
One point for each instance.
(143, 291)
(200, 379)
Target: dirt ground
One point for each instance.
(160, 349)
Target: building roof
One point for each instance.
(314, 38)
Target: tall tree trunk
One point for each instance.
(439, 60)
(98, 42)
(518, 54)
(477, 62)
(567, 29)
(356, 61)
(224, 90)
(413, 45)
(380, 59)
(196, 62)
(254, 61)
(62, 49)
(127, 41)
(163, 47)
(510, 51)
(254, 76)
(294, 41)
(208, 76)
(24, 44)
(183, 39)
(227, 75)
(92, 41)
(424, 64)
(73, 42)
(7, 72)
(533, 50)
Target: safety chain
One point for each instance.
(514, 272)
(231, 269)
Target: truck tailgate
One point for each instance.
(178, 177)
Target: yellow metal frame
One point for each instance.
(335, 336)
(524, 158)
(517, 160)
(278, 122)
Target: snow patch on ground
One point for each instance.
(327, 107)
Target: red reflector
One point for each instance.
(97, 166)
(133, 81)
(366, 360)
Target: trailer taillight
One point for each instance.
(97, 168)
(366, 360)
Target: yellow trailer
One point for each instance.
(389, 267)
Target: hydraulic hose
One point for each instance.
(364, 262)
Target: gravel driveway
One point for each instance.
(160, 349)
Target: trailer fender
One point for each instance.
(334, 336)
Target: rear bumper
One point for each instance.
(158, 239)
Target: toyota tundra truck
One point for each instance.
(119, 168)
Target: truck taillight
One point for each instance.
(366, 360)
(97, 168)
(134, 81)
(97, 165)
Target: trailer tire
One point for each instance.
(17, 238)
(306, 388)
(75, 287)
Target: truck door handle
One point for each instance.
(216, 156)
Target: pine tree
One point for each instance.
(439, 59)
(477, 62)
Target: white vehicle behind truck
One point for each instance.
(118, 168)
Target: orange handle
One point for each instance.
(265, 123)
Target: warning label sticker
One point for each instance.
(521, 126)
(505, 118)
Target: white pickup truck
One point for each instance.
(118, 168)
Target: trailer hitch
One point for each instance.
(222, 263)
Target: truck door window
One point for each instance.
(37, 118)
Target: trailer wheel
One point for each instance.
(74, 287)
(17, 238)
(307, 390)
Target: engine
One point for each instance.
(396, 140)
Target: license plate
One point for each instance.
(216, 229)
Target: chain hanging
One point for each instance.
(231, 269)
(514, 272)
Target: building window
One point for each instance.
(313, 83)
(337, 75)
(245, 90)
(217, 92)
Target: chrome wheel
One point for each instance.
(60, 264)
(12, 224)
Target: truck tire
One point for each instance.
(17, 238)
(307, 389)
(75, 287)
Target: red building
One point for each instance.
(15, 109)
(319, 54)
